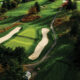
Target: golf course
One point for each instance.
(45, 39)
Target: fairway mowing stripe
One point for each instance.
(25, 31)
(22, 42)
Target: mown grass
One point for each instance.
(55, 67)
(25, 39)
(59, 66)
(32, 28)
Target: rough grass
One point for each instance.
(29, 29)
(53, 68)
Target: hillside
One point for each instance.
(59, 63)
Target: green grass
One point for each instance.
(32, 28)
(52, 68)
(24, 41)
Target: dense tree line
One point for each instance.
(70, 5)
(75, 33)
(10, 4)
(11, 61)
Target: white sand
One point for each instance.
(9, 35)
(41, 45)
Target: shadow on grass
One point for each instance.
(12, 19)
(26, 37)
(44, 20)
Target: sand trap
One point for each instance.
(9, 35)
(41, 45)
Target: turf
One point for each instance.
(32, 28)
(53, 68)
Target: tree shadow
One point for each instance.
(12, 19)
(26, 37)
(44, 20)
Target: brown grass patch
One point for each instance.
(60, 21)
(30, 18)
(9, 27)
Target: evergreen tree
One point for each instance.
(37, 6)
(52, 0)
(4, 5)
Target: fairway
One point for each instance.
(24, 39)
(30, 30)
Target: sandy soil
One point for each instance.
(41, 45)
(9, 35)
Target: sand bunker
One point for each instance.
(41, 45)
(9, 35)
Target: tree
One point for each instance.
(18, 1)
(25, 1)
(69, 5)
(74, 28)
(13, 4)
(37, 6)
(74, 23)
(9, 59)
(52, 0)
(20, 54)
(4, 5)
(74, 5)
(77, 52)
